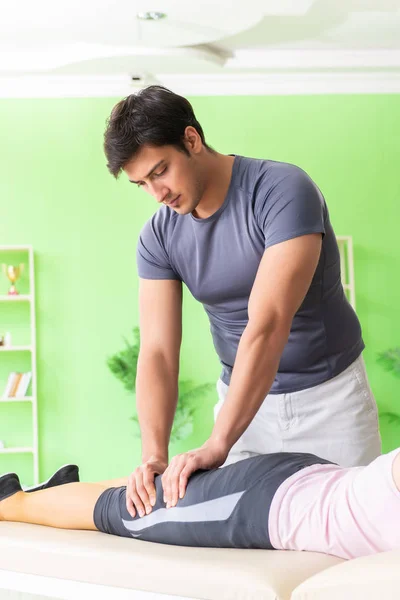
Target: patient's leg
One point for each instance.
(226, 507)
(67, 506)
(122, 481)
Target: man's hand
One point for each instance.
(174, 480)
(141, 491)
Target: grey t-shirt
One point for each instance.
(267, 202)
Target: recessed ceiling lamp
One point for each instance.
(151, 16)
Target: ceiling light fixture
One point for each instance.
(151, 16)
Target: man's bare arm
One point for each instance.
(283, 279)
(160, 308)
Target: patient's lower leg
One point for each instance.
(122, 481)
(68, 506)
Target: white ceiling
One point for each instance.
(103, 39)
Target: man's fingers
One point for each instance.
(129, 505)
(172, 479)
(183, 479)
(137, 498)
(148, 482)
(189, 468)
(143, 495)
(129, 492)
(174, 488)
(167, 480)
(166, 486)
(138, 504)
(176, 476)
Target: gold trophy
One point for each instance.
(13, 273)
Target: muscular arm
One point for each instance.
(284, 276)
(160, 306)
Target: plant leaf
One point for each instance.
(390, 360)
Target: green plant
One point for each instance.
(123, 365)
(390, 360)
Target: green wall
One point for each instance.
(56, 194)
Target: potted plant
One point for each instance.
(123, 365)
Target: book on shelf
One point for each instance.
(17, 384)
(9, 384)
(23, 385)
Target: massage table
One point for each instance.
(40, 563)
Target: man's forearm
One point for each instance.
(156, 399)
(256, 364)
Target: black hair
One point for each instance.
(154, 116)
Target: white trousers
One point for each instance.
(336, 420)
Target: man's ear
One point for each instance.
(192, 140)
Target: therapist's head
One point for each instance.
(155, 138)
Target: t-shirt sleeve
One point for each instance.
(151, 256)
(291, 207)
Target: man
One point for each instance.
(253, 242)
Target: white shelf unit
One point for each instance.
(30, 298)
(345, 243)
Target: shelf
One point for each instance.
(17, 450)
(17, 298)
(24, 399)
(17, 248)
(15, 348)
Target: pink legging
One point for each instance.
(347, 512)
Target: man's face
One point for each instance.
(171, 176)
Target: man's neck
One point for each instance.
(219, 173)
